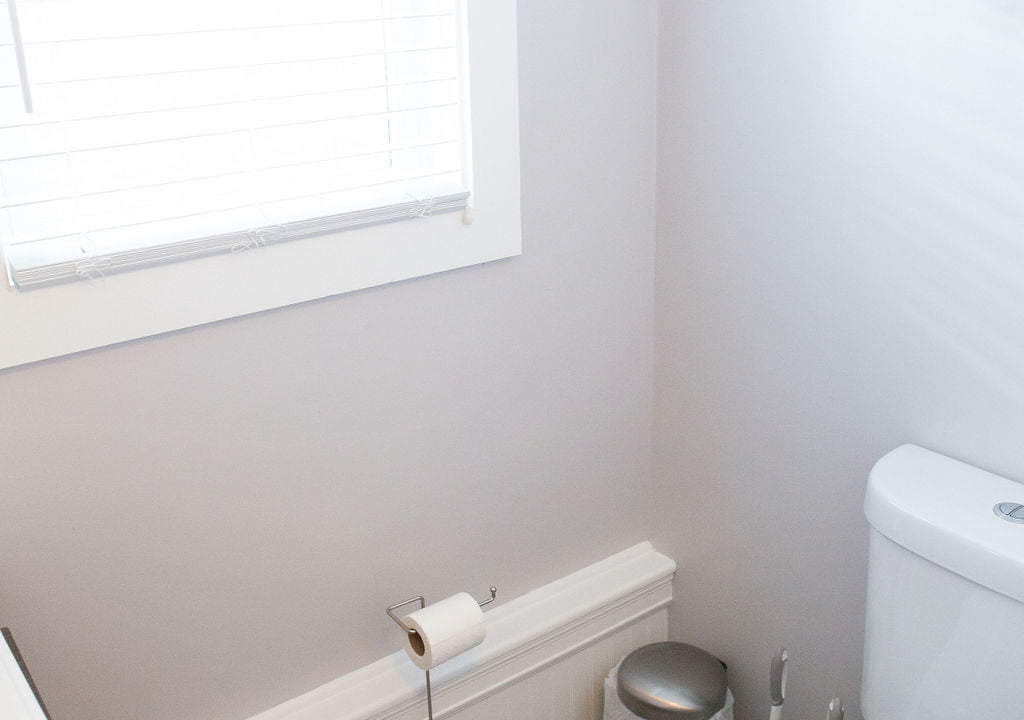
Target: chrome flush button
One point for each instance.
(1010, 511)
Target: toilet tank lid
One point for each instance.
(943, 510)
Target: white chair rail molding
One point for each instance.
(551, 648)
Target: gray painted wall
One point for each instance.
(840, 270)
(204, 524)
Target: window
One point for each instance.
(287, 130)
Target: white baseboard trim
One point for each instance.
(524, 635)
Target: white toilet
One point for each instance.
(945, 608)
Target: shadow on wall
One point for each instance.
(932, 122)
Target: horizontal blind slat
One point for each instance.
(92, 195)
(403, 96)
(155, 30)
(62, 17)
(81, 140)
(72, 70)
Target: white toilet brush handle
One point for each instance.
(777, 683)
(835, 710)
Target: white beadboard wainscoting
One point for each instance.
(572, 689)
(545, 656)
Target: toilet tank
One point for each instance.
(944, 637)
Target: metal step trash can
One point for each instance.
(668, 681)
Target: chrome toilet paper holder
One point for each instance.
(423, 603)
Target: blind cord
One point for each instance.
(19, 55)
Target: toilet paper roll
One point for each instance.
(445, 629)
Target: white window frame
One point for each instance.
(48, 322)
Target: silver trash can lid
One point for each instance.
(672, 681)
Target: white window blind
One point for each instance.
(165, 130)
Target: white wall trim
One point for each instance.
(524, 635)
